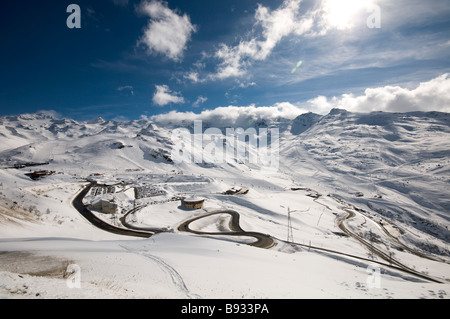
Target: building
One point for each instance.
(105, 206)
(193, 203)
(147, 191)
(237, 191)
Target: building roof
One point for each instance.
(193, 200)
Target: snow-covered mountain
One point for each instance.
(399, 161)
(390, 170)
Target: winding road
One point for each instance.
(375, 250)
(86, 213)
(262, 240)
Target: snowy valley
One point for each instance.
(359, 207)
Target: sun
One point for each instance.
(341, 14)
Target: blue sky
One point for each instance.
(151, 57)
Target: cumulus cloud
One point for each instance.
(433, 95)
(232, 64)
(164, 96)
(231, 116)
(167, 32)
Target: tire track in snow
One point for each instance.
(174, 275)
(375, 250)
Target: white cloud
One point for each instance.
(194, 77)
(271, 27)
(121, 118)
(50, 113)
(246, 85)
(325, 21)
(164, 96)
(127, 88)
(433, 95)
(231, 116)
(167, 32)
(275, 25)
(232, 64)
(200, 100)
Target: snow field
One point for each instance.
(399, 164)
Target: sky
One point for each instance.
(126, 59)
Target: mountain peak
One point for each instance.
(337, 111)
(98, 120)
(303, 122)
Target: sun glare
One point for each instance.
(341, 14)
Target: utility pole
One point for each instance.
(290, 235)
(371, 239)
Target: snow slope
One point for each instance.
(379, 177)
(400, 162)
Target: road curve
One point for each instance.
(262, 240)
(403, 246)
(82, 209)
(152, 230)
(378, 252)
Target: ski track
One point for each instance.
(174, 275)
